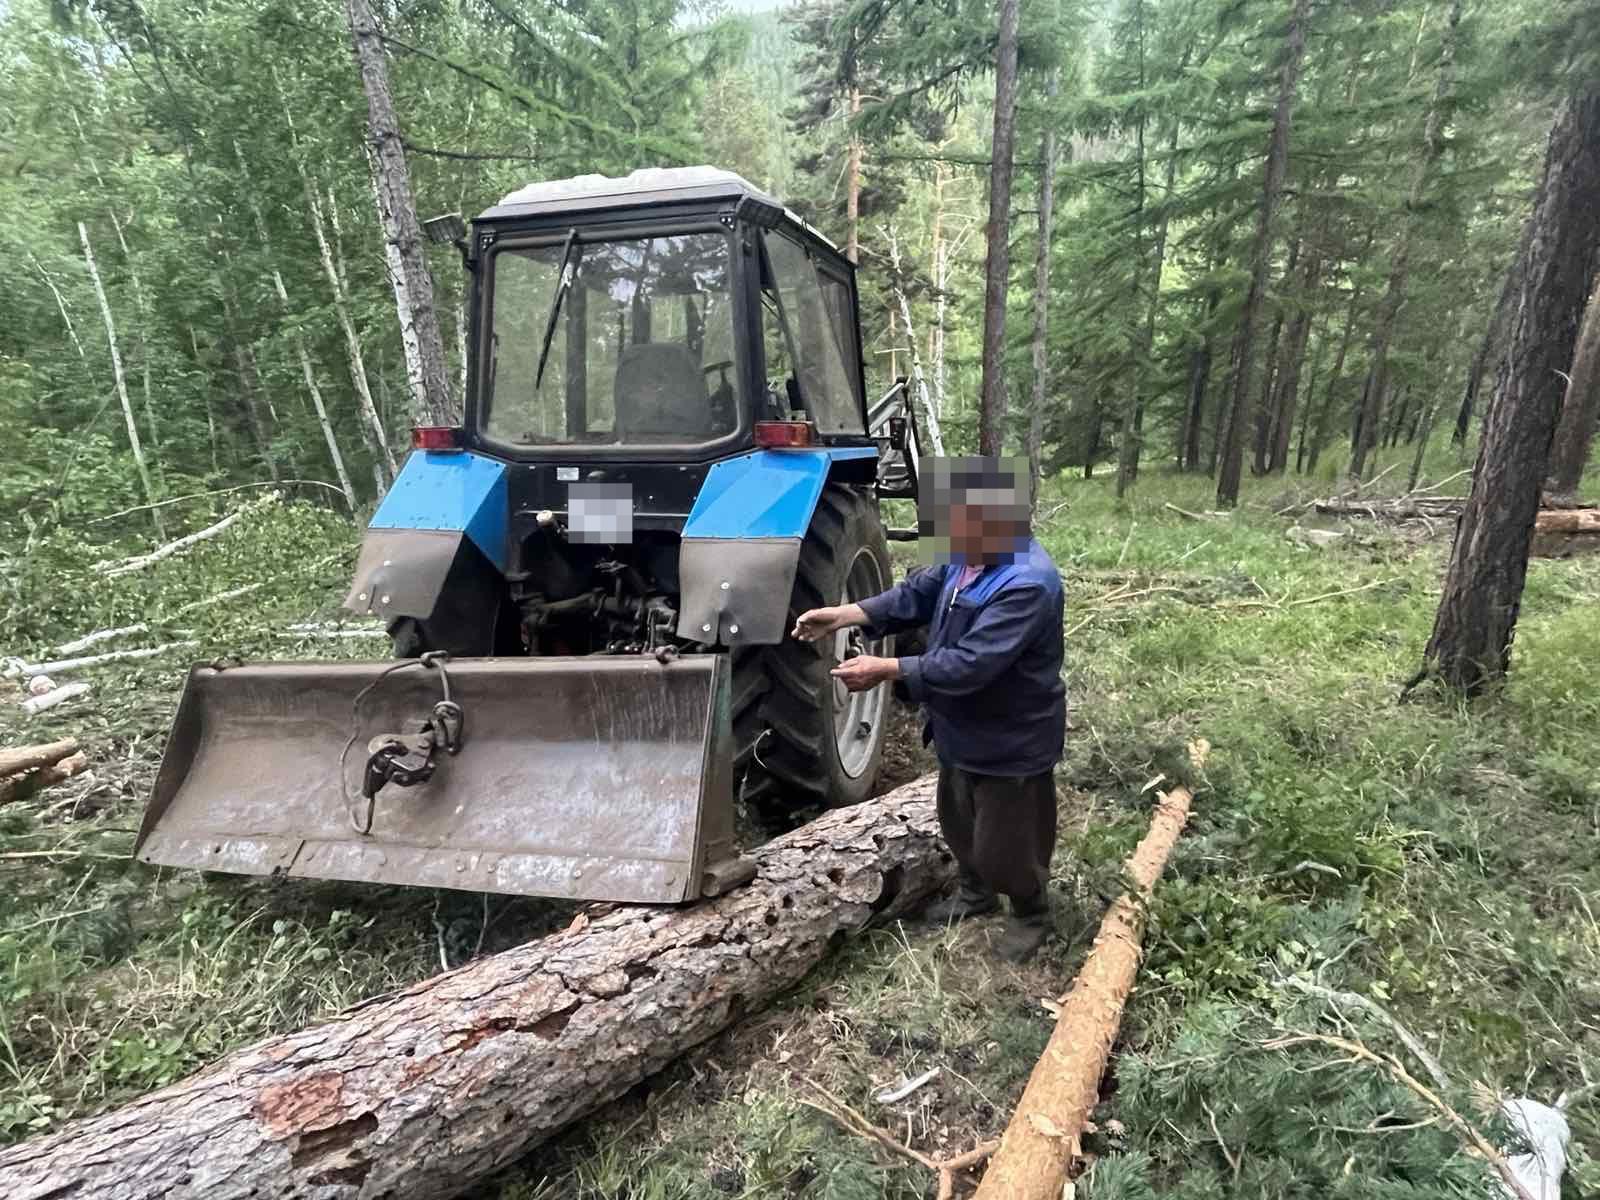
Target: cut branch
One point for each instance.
(1043, 1135)
(139, 562)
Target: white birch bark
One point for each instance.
(372, 427)
(930, 418)
(306, 372)
(116, 370)
(413, 287)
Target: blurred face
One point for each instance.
(974, 510)
(981, 533)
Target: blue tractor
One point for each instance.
(667, 454)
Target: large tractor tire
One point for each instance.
(803, 740)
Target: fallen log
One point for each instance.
(1570, 520)
(420, 1093)
(29, 783)
(1042, 1137)
(31, 758)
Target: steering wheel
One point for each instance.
(718, 366)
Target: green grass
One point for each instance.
(1437, 857)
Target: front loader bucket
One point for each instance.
(597, 778)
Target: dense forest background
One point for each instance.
(194, 276)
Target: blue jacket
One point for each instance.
(990, 679)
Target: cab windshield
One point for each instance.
(640, 350)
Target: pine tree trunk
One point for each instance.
(425, 1092)
(1424, 432)
(1309, 406)
(1400, 266)
(1231, 464)
(1199, 381)
(997, 266)
(1266, 407)
(1575, 433)
(1470, 647)
(1288, 390)
(1493, 336)
(1324, 425)
(413, 286)
(120, 379)
(1041, 284)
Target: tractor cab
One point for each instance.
(660, 316)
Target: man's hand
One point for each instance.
(818, 623)
(866, 671)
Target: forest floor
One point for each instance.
(1435, 857)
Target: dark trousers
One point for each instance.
(1002, 831)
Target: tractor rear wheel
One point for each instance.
(803, 740)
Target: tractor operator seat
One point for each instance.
(660, 394)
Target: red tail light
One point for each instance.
(435, 437)
(785, 435)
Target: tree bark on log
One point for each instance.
(420, 1093)
(31, 758)
(20, 787)
(1041, 1139)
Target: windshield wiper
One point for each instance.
(565, 273)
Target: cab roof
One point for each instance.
(646, 186)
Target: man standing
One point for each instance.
(990, 686)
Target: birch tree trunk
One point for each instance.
(997, 267)
(120, 378)
(1231, 463)
(306, 371)
(852, 185)
(941, 277)
(930, 417)
(402, 235)
(143, 335)
(384, 466)
(1041, 285)
(1399, 271)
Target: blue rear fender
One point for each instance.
(443, 507)
(741, 543)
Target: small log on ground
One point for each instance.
(1570, 520)
(419, 1094)
(1043, 1135)
(20, 787)
(31, 758)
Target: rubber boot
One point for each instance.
(1026, 930)
(972, 899)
